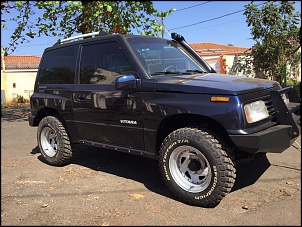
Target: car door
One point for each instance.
(103, 114)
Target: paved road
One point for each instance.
(104, 188)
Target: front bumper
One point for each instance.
(275, 139)
(279, 137)
(33, 120)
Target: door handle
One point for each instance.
(42, 86)
(81, 97)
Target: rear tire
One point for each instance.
(53, 141)
(195, 167)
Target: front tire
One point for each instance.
(54, 142)
(195, 167)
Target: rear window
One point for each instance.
(58, 66)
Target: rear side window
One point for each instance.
(58, 66)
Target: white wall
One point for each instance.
(24, 81)
(213, 61)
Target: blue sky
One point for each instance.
(229, 29)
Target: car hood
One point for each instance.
(213, 83)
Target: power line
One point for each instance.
(41, 44)
(162, 23)
(207, 20)
(27, 53)
(177, 10)
(211, 19)
(214, 25)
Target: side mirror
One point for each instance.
(125, 82)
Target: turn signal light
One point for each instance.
(219, 99)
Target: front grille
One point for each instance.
(269, 105)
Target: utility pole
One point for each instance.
(2, 59)
(163, 15)
(162, 24)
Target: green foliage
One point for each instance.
(10, 105)
(242, 64)
(295, 84)
(274, 28)
(4, 106)
(64, 18)
(19, 99)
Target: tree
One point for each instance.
(244, 64)
(64, 18)
(274, 28)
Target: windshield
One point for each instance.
(163, 57)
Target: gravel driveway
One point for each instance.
(105, 188)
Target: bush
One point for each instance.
(295, 84)
(20, 99)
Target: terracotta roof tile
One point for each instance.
(210, 49)
(21, 62)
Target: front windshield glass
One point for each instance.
(163, 57)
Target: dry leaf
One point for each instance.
(245, 207)
(45, 205)
(137, 196)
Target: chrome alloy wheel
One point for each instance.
(190, 169)
(48, 141)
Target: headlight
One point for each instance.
(255, 111)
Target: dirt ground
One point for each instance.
(106, 188)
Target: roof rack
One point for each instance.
(81, 36)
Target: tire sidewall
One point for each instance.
(50, 122)
(206, 151)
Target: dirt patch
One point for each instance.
(15, 113)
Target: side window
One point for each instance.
(58, 66)
(101, 63)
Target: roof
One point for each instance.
(21, 62)
(211, 49)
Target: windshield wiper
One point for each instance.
(194, 71)
(164, 72)
(189, 71)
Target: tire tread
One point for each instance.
(224, 159)
(65, 149)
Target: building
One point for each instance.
(221, 57)
(225, 59)
(18, 75)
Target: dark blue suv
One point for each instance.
(157, 98)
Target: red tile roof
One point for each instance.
(210, 49)
(21, 62)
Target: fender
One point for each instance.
(163, 105)
(60, 101)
